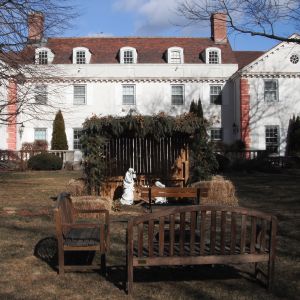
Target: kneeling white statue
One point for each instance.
(128, 187)
(160, 200)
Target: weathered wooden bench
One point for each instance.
(148, 194)
(196, 235)
(74, 236)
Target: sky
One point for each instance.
(150, 18)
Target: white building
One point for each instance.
(245, 95)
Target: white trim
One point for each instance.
(50, 55)
(134, 55)
(88, 54)
(213, 49)
(172, 50)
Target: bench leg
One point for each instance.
(271, 268)
(103, 264)
(129, 279)
(61, 261)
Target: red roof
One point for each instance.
(244, 58)
(105, 50)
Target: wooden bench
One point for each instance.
(73, 236)
(196, 235)
(148, 194)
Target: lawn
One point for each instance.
(26, 223)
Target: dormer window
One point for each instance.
(43, 56)
(128, 55)
(175, 55)
(81, 56)
(213, 56)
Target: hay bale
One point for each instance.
(220, 192)
(76, 187)
(91, 202)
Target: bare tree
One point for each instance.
(17, 44)
(255, 17)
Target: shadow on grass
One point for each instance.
(117, 274)
(47, 250)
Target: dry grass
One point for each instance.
(29, 227)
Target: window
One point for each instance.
(294, 59)
(128, 55)
(80, 57)
(175, 55)
(216, 134)
(79, 94)
(77, 132)
(272, 138)
(177, 94)
(41, 94)
(216, 94)
(271, 90)
(40, 134)
(213, 56)
(128, 94)
(43, 57)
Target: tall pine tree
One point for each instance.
(59, 138)
(293, 139)
(203, 162)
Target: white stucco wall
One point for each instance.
(274, 65)
(153, 93)
(276, 113)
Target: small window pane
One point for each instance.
(41, 94)
(216, 134)
(128, 57)
(43, 58)
(128, 94)
(213, 57)
(40, 134)
(175, 57)
(77, 132)
(79, 94)
(80, 57)
(177, 95)
(272, 139)
(271, 90)
(216, 94)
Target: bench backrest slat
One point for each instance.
(201, 230)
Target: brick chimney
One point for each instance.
(35, 26)
(219, 28)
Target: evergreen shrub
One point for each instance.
(59, 138)
(45, 161)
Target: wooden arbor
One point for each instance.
(166, 159)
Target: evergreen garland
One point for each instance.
(59, 138)
(98, 130)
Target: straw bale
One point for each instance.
(91, 202)
(76, 187)
(220, 192)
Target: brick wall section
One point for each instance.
(219, 27)
(245, 111)
(12, 109)
(35, 26)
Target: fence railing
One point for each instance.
(245, 154)
(20, 158)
